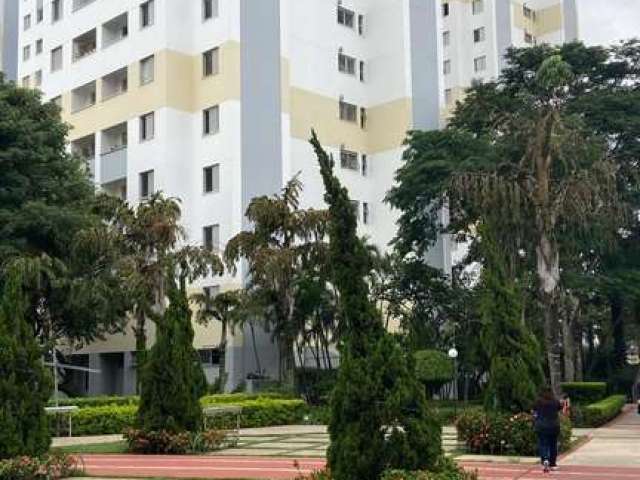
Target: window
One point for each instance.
(360, 24)
(480, 63)
(356, 208)
(26, 81)
(147, 13)
(211, 179)
(147, 70)
(56, 59)
(146, 184)
(209, 9)
(26, 53)
(346, 64)
(210, 356)
(445, 9)
(363, 117)
(446, 38)
(115, 83)
(528, 38)
(83, 96)
(115, 30)
(38, 78)
(365, 213)
(477, 6)
(211, 120)
(346, 17)
(27, 22)
(85, 44)
(348, 111)
(448, 96)
(446, 67)
(211, 237)
(349, 160)
(479, 35)
(210, 62)
(39, 46)
(361, 71)
(56, 10)
(147, 126)
(39, 11)
(364, 164)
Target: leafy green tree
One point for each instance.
(285, 241)
(172, 378)
(515, 372)
(434, 369)
(379, 414)
(24, 383)
(528, 151)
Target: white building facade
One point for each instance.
(212, 101)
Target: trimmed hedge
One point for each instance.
(505, 434)
(256, 412)
(585, 392)
(599, 413)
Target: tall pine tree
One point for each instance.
(25, 385)
(379, 414)
(172, 377)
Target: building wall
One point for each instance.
(9, 38)
(278, 78)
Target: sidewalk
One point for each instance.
(616, 444)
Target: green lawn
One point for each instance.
(113, 447)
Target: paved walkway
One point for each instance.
(616, 444)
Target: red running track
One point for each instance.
(214, 467)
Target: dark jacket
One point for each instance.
(547, 414)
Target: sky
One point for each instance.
(608, 21)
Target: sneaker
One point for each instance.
(555, 468)
(545, 466)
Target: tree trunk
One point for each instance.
(617, 322)
(548, 271)
(141, 346)
(222, 367)
(255, 348)
(571, 309)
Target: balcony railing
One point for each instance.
(113, 165)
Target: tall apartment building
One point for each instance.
(9, 38)
(212, 101)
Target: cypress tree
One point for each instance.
(172, 377)
(515, 373)
(25, 385)
(379, 414)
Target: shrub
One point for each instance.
(172, 378)
(599, 413)
(585, 392)
(445, 469)
(83, 402)
(48, 467)
(315, 384)
(504, 434)
(433, 369)
(263, 413)
(168, 443)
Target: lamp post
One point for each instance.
(453, 354)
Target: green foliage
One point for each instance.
(504, 434)
(172, 379)
(515, 372)
(49, 467)
(25, 385)
(379, 414)
(599, 413)
(264, 411)
(433, 369)
(585, 392)
(315, 385)
(445, 469)
(168, 443)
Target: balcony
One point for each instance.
(84, 45)
(78, 4)
(83, 97)
(113, 165)
(85, 148)
(115, 84)
(115, 30)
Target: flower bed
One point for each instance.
(48, 467)
(167, 443)
(504, 434)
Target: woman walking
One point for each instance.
(547, 423)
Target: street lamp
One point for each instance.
(453, 354)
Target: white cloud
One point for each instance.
(608, 21)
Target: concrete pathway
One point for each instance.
(616, 444)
